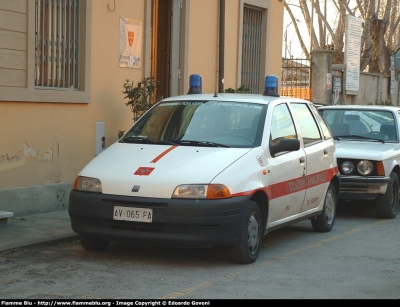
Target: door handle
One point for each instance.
(325, 151)
(302, 160)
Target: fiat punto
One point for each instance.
(202, 170)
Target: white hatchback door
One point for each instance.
(286, 170)
(319, 156)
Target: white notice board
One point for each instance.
(130, 43)
(352, 52)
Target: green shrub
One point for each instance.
(141, 97)
(386, 103)
(240, 90)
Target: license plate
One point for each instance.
(133, 214)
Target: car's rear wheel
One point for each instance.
(386, 205)
(91, 244)
(324, 222)
(247, 249)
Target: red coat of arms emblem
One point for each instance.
(131, 35)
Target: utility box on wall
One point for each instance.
(100, 142)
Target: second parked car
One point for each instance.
(368, 153)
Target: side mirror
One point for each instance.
(284, 145)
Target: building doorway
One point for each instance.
(161, 45)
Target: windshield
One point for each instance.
(364, 124)
(200, 123)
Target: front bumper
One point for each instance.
(183, 221)
(358, 187)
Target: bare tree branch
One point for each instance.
(378, 31)
(366, 43)
(380, 34)
(321, 34)
(294, 21)
(348, 10)
(328, 27)
(360, 8)
(307, 18)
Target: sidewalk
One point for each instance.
(36, 229)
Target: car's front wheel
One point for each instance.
(248, 247)
(386, 205)
(92, 244)
(324, 222)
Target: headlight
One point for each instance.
(347, 167)
(87, 184)
(204, 191)
(365, 167)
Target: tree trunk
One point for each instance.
(378, 30)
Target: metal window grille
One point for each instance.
(251, 49)
(56, 43)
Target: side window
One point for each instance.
(282, 125)
(329, 117)
(322, 123)
(308, 126)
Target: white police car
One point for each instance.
(210, 170)
(368, 153)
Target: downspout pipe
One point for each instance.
(221, 52)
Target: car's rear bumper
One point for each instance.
(358, 187)
(182, 221)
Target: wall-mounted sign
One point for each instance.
(397, 59)
(328, 81)
(336, 88)
(336, 97)
(352, 52)
(337, 84)
(397, 63)
(130, 43)
(392, 76)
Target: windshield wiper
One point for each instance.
(201, 143)
(137, 139)
(353, 136)
(162, 142)
(145, 140)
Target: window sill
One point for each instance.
(44, 95)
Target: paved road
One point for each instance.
(358, 259)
